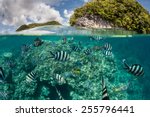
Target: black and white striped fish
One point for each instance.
(107, 53)
(2, 75)
(59, 79)
(104, 91)
(59, 94)
(31, 77)
(3, 95)
(134, 69)
(76, 48)
(107, 46)
(88, 51)
(60, 56)
(96, 38)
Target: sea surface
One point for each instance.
(80, 76)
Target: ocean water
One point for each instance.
(82, 73)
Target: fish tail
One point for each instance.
(52, 54)
(125, 64)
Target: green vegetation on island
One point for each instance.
(127, 14)
(33, 25)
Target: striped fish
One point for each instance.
(87, 51)
(31, 77)
(96, 38)
(3, 95)
(107, 46)
(107, 53)
(135, 69)
(2, 75)
(59, 79)
(59, 94)
(76, 48)
(104, 91)
(61, 56)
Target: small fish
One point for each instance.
(88, 51)
(59, 94)
(64, 40)
(38, 42)
(107, 46)
(107, 53)
(25, 48)
(3, 95)
(31, 77)
(104, 91)
(60, 56)
(2, 75)
(71, 40)
(96, 38)
(10, 63)
(76, 48)
(134, 69)
(59, 79)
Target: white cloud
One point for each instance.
(86, 0)
(18, 12)
(67, 15)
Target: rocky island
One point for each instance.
(126, 14)
(33, 25)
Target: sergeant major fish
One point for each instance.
(107, 46)
(31, 77)
(96, 38)
(60, 56)
(134, 69)
(2, 75)
(59, 94)
(59, 79)
(104, 91)
(87, 51)
(107, 53)
(76, 48)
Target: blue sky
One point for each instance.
(14, 13)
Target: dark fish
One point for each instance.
(104, 91)
(107, 53)
(64, 40)
(38, 42)
(10, 63)
(31, 77)
(61, 56)
(134, 69)
(76, 48)
(2, 75)
(107, 46)
(25, 48)
(88, 51)
(59, 79)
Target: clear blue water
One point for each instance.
(135, 49)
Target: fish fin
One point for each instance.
(126, 66)
(52, 54)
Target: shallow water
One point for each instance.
(86, 70)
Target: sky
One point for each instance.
(14, 13)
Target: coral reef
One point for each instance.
(78, 78)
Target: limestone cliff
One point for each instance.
(126, 14)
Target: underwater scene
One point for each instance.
(75, 67)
